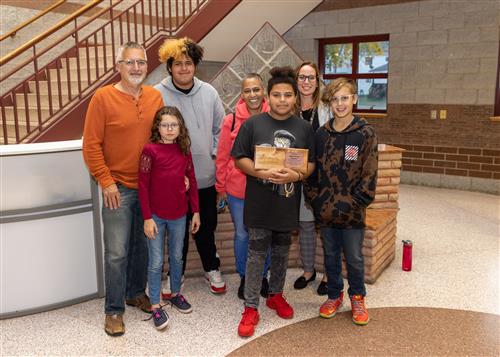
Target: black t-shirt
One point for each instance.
(265, 205)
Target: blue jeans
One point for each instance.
(175, 237)
(350, 242)
(125, 252)
(236, 206)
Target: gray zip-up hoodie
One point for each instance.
(203, 113)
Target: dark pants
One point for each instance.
(260, 240)
(205, 237)
(349, 241)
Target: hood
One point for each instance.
(169, 85)
(356, 123)
(242, 110)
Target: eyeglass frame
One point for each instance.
(169, 126)
(311, 78)
(132, 62)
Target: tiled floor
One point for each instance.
(455, 265)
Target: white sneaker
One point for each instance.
(166, 293)
(217, 284)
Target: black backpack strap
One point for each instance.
(234, 120)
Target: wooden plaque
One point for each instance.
(267, 157)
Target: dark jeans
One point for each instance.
(125, 252)
(350, 242)
(205, 237)
(258, 248)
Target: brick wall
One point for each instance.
(443, 56)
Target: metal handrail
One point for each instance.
(8, 57)
(13, 32)
(69, 79)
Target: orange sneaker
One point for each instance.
(278, 302)
(359, 311)
(249, 319)
(330, 307)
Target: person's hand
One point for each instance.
(284, 175)
(150, 228)
(111, 197)
(186, 183)
(221, 196)
(195, 222)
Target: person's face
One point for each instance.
(306, 81)
(183, 69)
(252, 93)
(133, 66)
(281, 101)
(342, 103)
(169, 128)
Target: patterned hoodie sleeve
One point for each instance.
(364, 192)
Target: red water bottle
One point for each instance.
(407, 248)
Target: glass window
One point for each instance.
(364, 59)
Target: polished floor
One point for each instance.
(456, 255)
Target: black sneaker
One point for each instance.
(241, 289)
(180, 303)
(160, 318)
(264, 289)
(322, 288)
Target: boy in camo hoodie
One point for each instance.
(339, 190)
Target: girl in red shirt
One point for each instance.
(165, 163)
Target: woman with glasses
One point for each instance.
(309, 108)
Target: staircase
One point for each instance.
(50, 104)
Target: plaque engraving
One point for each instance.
(267, 157)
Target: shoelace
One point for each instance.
(332, 304)
(156, 314)
(358, 307)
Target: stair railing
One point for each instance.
(86, 57)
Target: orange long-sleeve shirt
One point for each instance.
(116, 128)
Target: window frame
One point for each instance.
(355, 41)
(496, 107)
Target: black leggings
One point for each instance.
(205, 237)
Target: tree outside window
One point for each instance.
(364, 59)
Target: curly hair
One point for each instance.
(335, 85)
(316, 94)
(282, 75)
(174, 48)
(183, 139)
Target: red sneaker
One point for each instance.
(249, 319)
(331, 306)
(278, 302)
(359, 311)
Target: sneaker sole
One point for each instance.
(327, 316)
(361, 323)
(215, 290)
(161, 327)
(248, 334)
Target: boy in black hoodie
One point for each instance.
(339, 190)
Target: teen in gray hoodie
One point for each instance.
(203, 112)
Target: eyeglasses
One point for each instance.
(169, 126)
(302, 78)
(131, 62)
(342, 99)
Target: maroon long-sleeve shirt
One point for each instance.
(162, 190)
